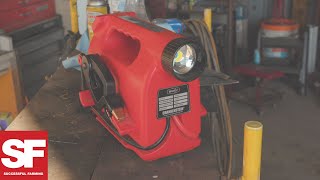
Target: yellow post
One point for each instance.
(74, 16)
(208, 18)
(252, 150)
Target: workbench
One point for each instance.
(80, 149)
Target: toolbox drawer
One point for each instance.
(40, 54)
(17, 18)
(35, 29)
(6, 5)
(37, 42)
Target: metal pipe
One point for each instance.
(230, 53)
(312, 48)
(304, 71)
(252, 150)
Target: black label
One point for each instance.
(173, 101)
(144, 24)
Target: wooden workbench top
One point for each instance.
(80, 149)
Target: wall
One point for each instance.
(62, 8)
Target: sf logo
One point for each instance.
(22, 159)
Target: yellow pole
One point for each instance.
(74, 16)
(252, 150)
(208, 18)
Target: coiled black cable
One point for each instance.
(221, 126)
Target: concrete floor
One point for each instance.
(80, 149)
(291, 145)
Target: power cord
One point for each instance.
(131, 142)
(221, 128)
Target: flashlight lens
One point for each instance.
(184, 59)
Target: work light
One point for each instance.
(184, 59)
(148, 115)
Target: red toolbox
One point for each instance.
(16, 14)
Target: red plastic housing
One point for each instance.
(16, 14)
(133, 54)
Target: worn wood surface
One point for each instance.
(80, 149)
